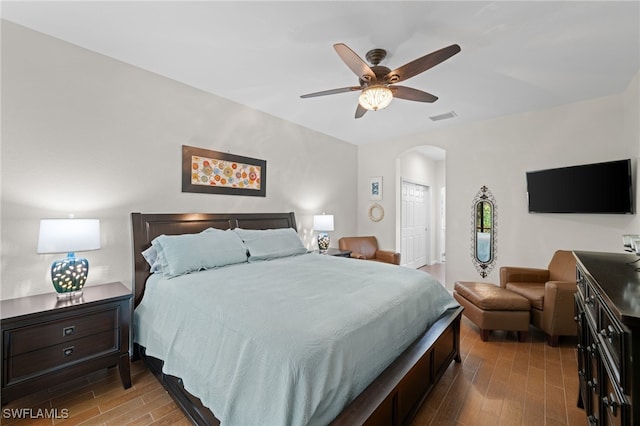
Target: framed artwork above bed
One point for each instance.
(214, 172)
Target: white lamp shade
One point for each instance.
(323, 222)
(68, 235)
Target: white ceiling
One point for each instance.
(516, 56)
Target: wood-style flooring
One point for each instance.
(499, 382)
(506, 382)
(99, 399)
(437, 270)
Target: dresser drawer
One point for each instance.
(615, 406)
(591, 304)
(38, 362)
(612, 338)
(30, 338)
(581, 282)
(593, 375)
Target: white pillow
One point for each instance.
(268, 244)
(211, 248)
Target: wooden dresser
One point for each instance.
(46, 341)
(607, 307)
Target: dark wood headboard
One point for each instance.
(146, 227)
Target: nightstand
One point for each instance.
(338, 252)
(46, 341)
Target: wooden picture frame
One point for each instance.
(214, 172)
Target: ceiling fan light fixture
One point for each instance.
(375, 97)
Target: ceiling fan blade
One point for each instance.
(422, 64)
(332, 91)
(410, 94)
(354, 62)
(360, 111)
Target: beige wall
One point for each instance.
(85, 134)
(497, 153)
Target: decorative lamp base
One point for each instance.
(69, 275)
(323, 242)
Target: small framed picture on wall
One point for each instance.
(375, 188)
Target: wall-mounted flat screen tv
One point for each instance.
(589, 188)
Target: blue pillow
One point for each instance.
(211, 248)
(152, 258)
(271, 243)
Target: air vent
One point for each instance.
(444, 116)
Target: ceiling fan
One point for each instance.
(377, 82)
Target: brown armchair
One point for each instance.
(367, 248)
(550, 292)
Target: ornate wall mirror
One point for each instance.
(483, 231)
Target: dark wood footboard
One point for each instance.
(395, 397)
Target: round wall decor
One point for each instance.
(376, 212)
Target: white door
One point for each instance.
(414, 231)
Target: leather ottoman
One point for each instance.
(491, 307)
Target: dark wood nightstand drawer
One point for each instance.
(40, 336)
(38, 362)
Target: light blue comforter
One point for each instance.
(289, 341)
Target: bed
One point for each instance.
(388, 391)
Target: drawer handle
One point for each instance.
(68, 331)
(591, 301)
(611, 403)
(67, 351)
(593, 384)
(608, 333)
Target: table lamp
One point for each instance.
(69, 236)
(323, 223)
